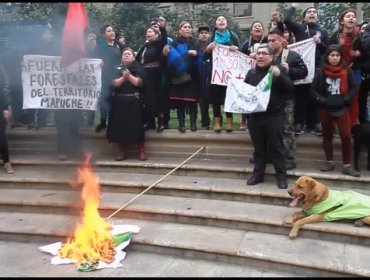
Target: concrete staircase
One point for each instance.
(202, 220)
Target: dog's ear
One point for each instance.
(312, 192)
(317, 192)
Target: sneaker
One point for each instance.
(298, 130)
(243, 126)
(327, 166)
(348, 170)
(318, 130)
(8, 168)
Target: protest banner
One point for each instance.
(228, 64)
(47, 84)
(306, 49)
(245, 98)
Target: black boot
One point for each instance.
(255, 179)
(160, 126)
(181, 119)
(193, 120)
(282, 182)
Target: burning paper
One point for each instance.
(121, 236)
(96, 243)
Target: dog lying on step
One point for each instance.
(321, 204)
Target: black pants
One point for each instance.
(4, 149)
(204, 107)
(267, 131)
(217, 95)
(306, 110)
(105, 102)
(362, 98)
(67, 124)
(37, 117)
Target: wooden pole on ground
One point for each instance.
(155, 183)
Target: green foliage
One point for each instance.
(366, 10)
(133, 19)
(201, 14)
(329, 12)
(297, 15)
(32, 11)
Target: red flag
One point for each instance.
(73, 39)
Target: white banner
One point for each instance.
(306, 49)
(48, 85)
(244, 98)
(228, 64)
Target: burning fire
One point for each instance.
(92, 240)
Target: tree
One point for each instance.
(53, 12)
(329, 12)
(133, 19)
(201, 14)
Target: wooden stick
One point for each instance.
(152, 185)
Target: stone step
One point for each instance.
(33, 263)
(173, 185)
(199, 166)
(176, 149)
(304, 256)
(169, 143)
(219, 213)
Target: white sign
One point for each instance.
(228, 64)
(48, 85)
(306, 49)
(245, 98)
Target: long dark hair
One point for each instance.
(329, 50)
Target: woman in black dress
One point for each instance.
(126, 123)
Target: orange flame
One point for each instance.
(92, 240)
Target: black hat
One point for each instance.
(305, 11)
(201, 28)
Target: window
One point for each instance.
(242, 9)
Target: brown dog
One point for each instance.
(319, 204)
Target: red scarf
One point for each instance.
(345, 40)
(336, 72)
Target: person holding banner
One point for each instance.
(249, 48)
(126, 117)
(37, 118)
(266, 128)
(224, 36)
(4, 96)
(306, 109)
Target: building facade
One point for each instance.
(244, 12)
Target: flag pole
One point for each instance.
(155, 183)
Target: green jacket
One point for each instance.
(350, 205)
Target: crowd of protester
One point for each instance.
(140, 88)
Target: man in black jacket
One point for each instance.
(296, 69)
(267, 128)
(306, 109)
